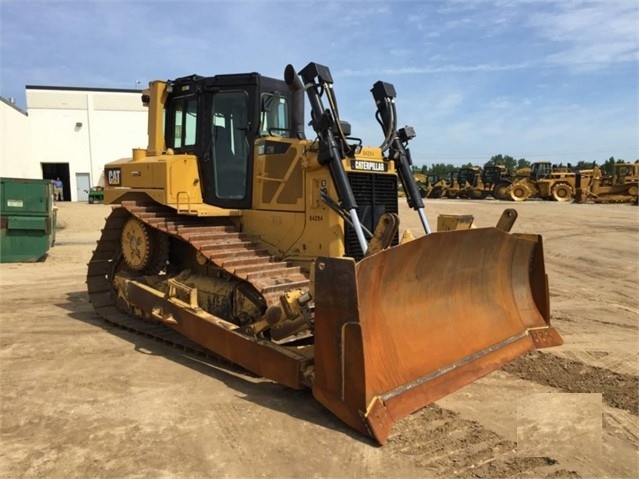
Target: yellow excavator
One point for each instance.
(282, 254)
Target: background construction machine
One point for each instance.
(546, 181)
(620, 187)
(470, 183)
(437, 186)
(474, 182)
(478, 183)
(450, 186)
(282, 254)
(429, 186)
(498, 179)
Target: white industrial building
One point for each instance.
(70, 133)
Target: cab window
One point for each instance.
(184, 127)
(273, 115)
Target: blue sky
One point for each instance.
(553, 80)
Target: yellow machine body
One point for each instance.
(288, 214)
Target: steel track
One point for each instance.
(215, 238)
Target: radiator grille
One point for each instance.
(375, 194)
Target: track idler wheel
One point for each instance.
(144, 249)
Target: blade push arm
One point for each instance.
(325, 123)
(395, 142)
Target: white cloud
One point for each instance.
(596, 33)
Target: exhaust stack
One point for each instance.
(297, 97)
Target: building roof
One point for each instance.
(73, 88)
(11, 102)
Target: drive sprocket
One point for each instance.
(143, 249)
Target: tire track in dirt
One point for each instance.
(240, 451)
(443, 444)
(622, 363)
(623, 425)
(612, 324)
(618, 390)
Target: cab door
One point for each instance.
(230, 145)
(229, 167)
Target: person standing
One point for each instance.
(57, 189)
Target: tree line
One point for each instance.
(441, 170)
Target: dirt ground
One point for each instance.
(79, 398)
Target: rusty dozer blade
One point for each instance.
(406, 326)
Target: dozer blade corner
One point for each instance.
(282, 254)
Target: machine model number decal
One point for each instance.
(316, 218)
(367, 152)
(369, 165)
(113, 177)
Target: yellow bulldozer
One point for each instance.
(620, 187)
(282, 253)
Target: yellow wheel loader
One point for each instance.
(548, 182)
(282, 254)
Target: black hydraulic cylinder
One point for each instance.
(324, 125)
(383, 94)
(403, 164)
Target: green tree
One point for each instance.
(608, 167)
(523, 163)
(585, 165)
(496, 160)
(508, 161)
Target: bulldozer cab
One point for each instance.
(218, 119)
(625, 173)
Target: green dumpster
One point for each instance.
(27, 219)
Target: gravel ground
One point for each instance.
(79, 398)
